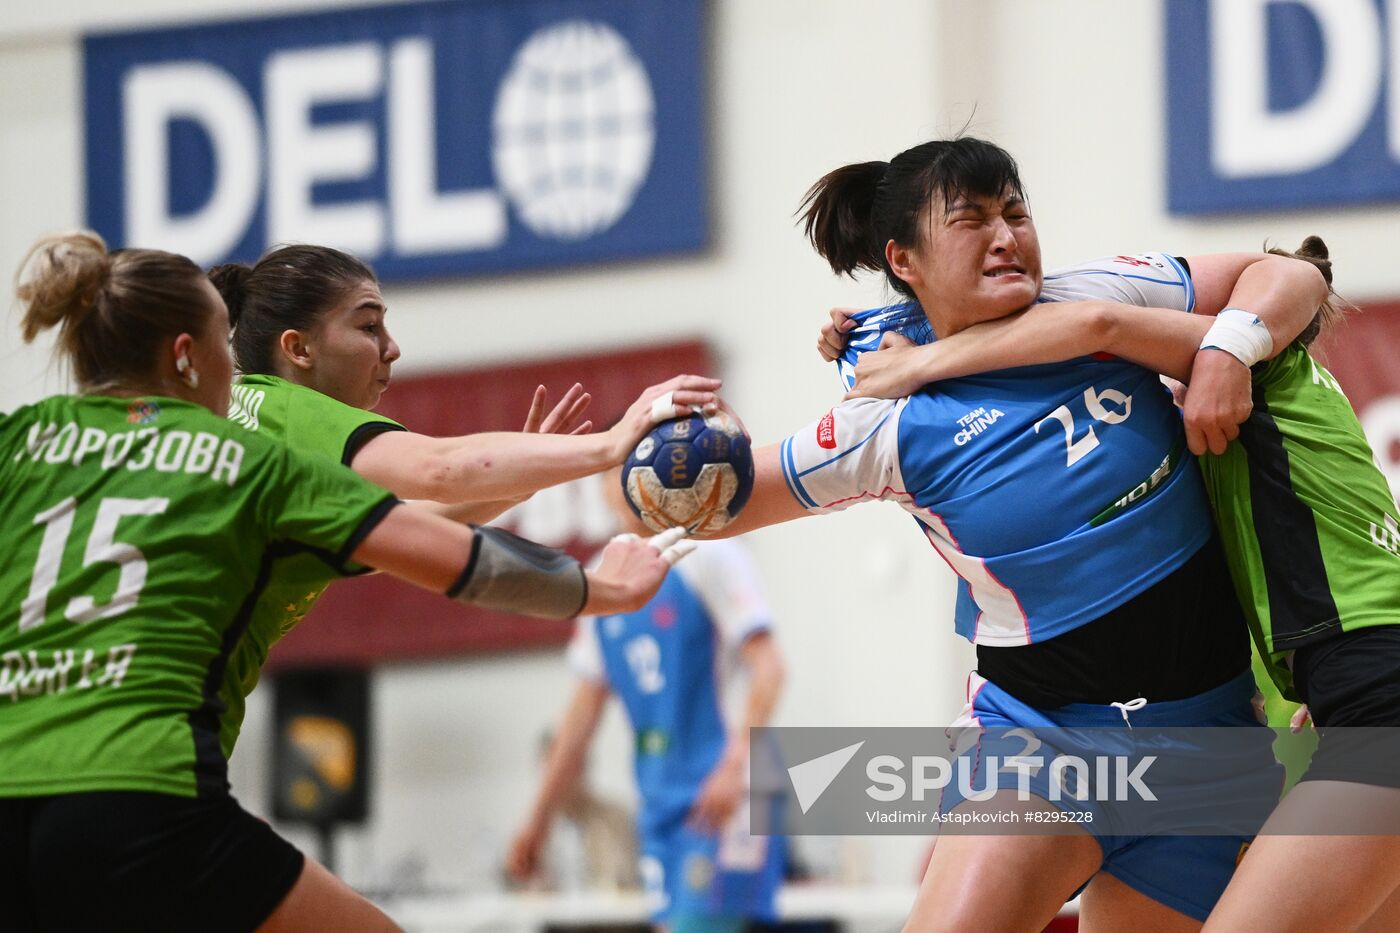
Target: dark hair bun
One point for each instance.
(231, 281)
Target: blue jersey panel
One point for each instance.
(1055, 492)
(661, 663)
(1050, 475)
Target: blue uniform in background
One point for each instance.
(1056, 494)
(669, 663)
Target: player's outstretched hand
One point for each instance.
(564, 418)
(719, 797)
(892, 371)
(632, 569)
(523, 856)
(1300, 718)
(1219, 400)
(673, 398)
(831, 341)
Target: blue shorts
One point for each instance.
(728, 874)
(1187, 873)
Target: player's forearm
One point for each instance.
(475, 513)
(481, 467)
(1283, 292)
(771, 502)
(566, 754)
(1159, 339)
(492, 568)
(487, 467)
(766, 677)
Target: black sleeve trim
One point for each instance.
(579, 611)
(371, 521)
(1184, 264)
(362, 435)
(466, 573)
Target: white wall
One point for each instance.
(797, 87)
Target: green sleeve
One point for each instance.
(323, 507)
(304, 419)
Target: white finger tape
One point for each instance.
(664, 407)
(667, 538)
(675, 552)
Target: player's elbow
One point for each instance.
(1300, 275)
(765, 663)
(1103, 327)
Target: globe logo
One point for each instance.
(574, 129)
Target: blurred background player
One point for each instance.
(144, 525)
(596, 848)
(670, 663)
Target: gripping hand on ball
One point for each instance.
(673, 398)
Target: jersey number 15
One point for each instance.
(101, 548)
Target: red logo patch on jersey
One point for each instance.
(663, 615)
(1133, 260)
(826, 431)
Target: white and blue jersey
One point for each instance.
(669, 663)
(1056, 493)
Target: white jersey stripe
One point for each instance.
(1002, 620)
(790, 474)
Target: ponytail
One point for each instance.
(112, 310)
(836, 214)
(59, 281)
(1333, 308)
(231, 282)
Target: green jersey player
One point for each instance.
(1307, 520)
(142, 527)
(315, 355)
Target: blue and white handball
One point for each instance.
(694, 472)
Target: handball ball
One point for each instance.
(694, 472)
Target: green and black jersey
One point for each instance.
(314, 425)
(142, 533)
(1307, 518)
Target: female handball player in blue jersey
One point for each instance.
(1085, 610)
(1300, 504)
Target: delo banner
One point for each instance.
(430, 139)
(1276, 104)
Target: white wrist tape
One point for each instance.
(1240, 334)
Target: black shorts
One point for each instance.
(119, 860)
(1351, 683)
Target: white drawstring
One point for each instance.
(1132, 706)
